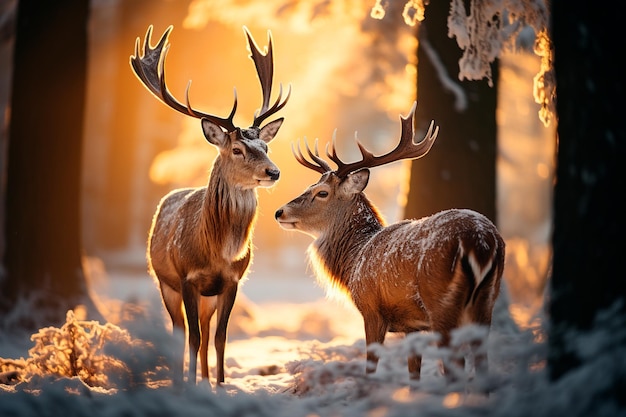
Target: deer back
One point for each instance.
(450, 262)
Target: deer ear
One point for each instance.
(356, 181)
(269, 130)
(213, 133)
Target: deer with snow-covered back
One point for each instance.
(199, 246)
(435, 274)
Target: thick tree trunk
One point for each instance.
(460, 169)
(42, 262)
(589, 195)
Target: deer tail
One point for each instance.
(480, 270)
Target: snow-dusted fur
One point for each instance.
(437, 273)
(200, 240)
(199, 244)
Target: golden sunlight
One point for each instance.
(453, 400)
(344, 75)
(402, 394)
(352, 77)
(525, 172)
(347, 72)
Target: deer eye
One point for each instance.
(322, 194)
(237, 151)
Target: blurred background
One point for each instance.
(347, 72)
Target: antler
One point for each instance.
(149, 66)
(321, 166)
(264, 63)
(150, 69)
(406, 149)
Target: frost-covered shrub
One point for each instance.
(100, 355)
(76, 349)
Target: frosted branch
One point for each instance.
(413, 12)
(483, 34)
(460, 99)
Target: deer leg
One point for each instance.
(173, 303)
(207, 308)
(455, 366)
(190, 299)
(415, 365)
(375, 331)
(225, 302)
(481, 362)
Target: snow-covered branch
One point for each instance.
(490, 28)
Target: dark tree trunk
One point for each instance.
(589, 195)
(460, 169)
(43, 246)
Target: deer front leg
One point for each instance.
(415, 366)
(207, 308)
(173, 302)
(225, 302)
(190, 299)
(375, 331)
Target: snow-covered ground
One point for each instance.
(307, 358)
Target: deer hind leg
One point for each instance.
(173, 302)
(481, 361)
(207, 308)
(444, 320)
(453, 367)
(190, 299)
(479, 346)
(480, 310)
(225, 302)
(460, 308)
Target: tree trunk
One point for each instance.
(43, 246)
(590, 190)
(460, 169)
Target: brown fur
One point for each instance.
(199, 246)
(435, 274)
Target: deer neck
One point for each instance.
(228, 214)
(334, 253)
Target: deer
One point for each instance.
(200, 240)
(433, 274)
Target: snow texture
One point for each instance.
(299, 360)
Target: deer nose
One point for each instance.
(278, 213)
(274, 174)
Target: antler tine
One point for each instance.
(227, 123)
(332, 153)
(264, 63)
(149, 67)
(321, 167)
(406, 148)
(261, 115)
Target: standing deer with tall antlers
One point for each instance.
(199, 246)
(437, 273)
